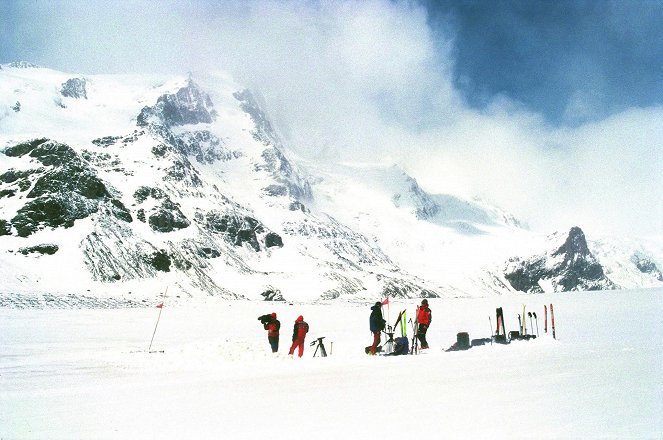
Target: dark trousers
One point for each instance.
(421, 335)
(274, 342)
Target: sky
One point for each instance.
(552, 110)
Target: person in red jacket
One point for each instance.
(298, 335)
(272, 328)
(424, 318)
(272, 325)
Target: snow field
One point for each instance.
(87, 374)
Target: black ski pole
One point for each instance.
(537, 324)
(520, 325)
(415, 341)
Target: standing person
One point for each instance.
(424, 318)
(298, 335)
(273, 326)
(376, 324)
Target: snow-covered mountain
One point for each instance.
(566, 266)
(115, 187)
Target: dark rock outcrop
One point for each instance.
(74, 88)
(168, 218)
(240, 230)
(272, 295)
(189, 105)
(164, 217)
(568, 267)
(160, 261)
(48, 249)
(5, 227)
(647, 266)
(63, 190)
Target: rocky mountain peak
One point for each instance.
(568, 267)
(189, 105)
(575, 245)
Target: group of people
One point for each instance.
(273, 326)
(376, 324)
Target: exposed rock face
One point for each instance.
(290, 183)
(48, 249)
(568, 267)
(240, 230)
(272, 295)
(23, 65)
(74, 88)
(5, 227)
(64, 189)
(189, 105)
(165, 215)
(646, 266)
(264, 132)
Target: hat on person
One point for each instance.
(274, 315)
(424, 302)
(301, 318)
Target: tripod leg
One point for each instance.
(323, 352)
(316, 350)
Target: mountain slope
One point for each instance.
(117, 184)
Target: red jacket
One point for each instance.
(425, 316)
(300, 329)
(273, 328)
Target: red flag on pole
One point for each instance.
(160, 306)
(386, 301)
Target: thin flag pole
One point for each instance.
(160, 307)
(388, 310)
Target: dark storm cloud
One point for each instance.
(572, 60)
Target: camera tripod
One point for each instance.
(321, 346)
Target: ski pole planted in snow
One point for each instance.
(537, 324)
(545, 318)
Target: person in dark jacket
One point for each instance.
(376, 324)
(424, 318)
(298, 335)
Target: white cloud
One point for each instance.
(369, 79)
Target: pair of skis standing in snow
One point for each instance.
(423, 319)
(273, 325)
(500, 335)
